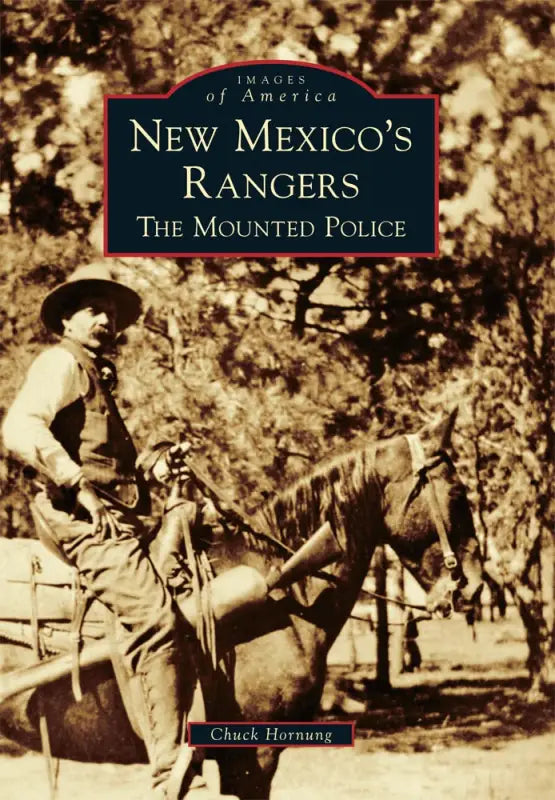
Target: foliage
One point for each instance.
(267, 364)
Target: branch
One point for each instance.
(479, 433)
(414, 398)
(303, 304)
(267, 315)
(178, 347)
(323, 329)
(312, 325)
(334, 307)
(157, 330)
(294, 454)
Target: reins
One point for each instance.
(394, 600)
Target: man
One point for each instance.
(64, 422)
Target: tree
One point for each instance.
(269, 363)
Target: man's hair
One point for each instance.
(73, 304)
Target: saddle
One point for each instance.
(44, 606)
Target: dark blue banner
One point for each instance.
(271, 158)
(271, 734)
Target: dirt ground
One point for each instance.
(459, 729)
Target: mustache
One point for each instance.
(102, 330)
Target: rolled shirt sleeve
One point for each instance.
(54, 381)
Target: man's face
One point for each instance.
(93, 323)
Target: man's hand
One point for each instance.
(102, 520)
(171, 466)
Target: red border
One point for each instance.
(309, 65)
(271, 722)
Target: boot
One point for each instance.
(160, 700)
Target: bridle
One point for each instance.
(424, 484)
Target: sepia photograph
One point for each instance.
(277, 523)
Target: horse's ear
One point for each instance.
(437, 436)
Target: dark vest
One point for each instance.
(94, 435)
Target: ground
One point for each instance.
(460, 729)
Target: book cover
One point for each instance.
(269, 360)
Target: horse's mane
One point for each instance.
(297, 509)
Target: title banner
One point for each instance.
(271, 158)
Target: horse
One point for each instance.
(403, 491)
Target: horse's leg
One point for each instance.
(248, 773)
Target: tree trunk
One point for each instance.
(396, 589)
(382, 631)
(524, 581)
(538, 640)
(530, 603)
(548, 583)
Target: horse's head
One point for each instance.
(427, 517)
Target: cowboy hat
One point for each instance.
(89, 280)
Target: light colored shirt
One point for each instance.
(54, 381)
